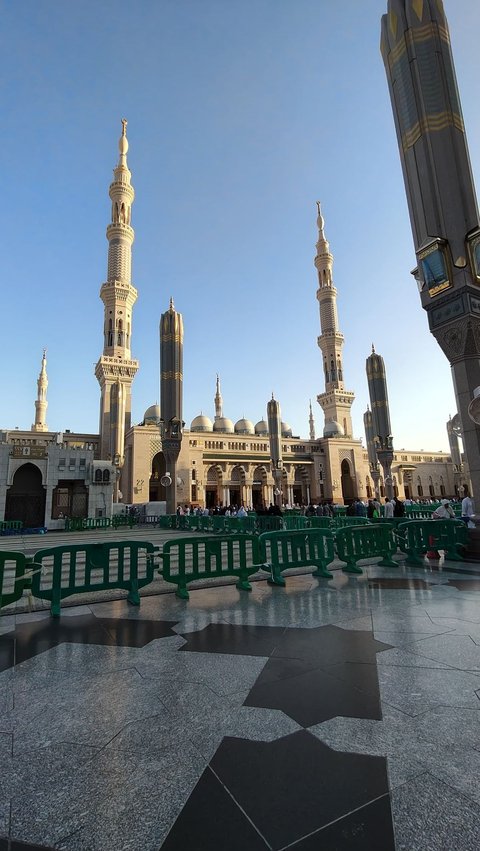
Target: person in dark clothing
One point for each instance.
(398, 508)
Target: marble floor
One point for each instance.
(341, 715)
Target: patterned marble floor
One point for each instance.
(341, 715)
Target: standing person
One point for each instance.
(444, 511)
(467, 508)
(388, 513)
(398, 508)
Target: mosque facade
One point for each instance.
(47, 475)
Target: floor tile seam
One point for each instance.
(318, 832)
(447, 666)
(238, 805)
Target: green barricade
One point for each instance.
(220, 524)
(283, 550)
(416, 537)
(92, 567)
(11, 527)
(368, 541)
(165, 521)
(294, 522)
(242, 525)
(13, 577)
(319, 522)
(268, 523)
(419, 512)
(187, 559)
(205, 523)
(345, 520)
(82, 524)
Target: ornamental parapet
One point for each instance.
(123, 289)
(121, 231)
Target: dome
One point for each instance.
(333, 429)
(286, 430)
(244, 427)
(201, 423)
(262, 428)
(223, 424)
(151, 415)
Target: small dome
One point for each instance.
(244, 427)
(262, 428)
(286, 430)
(333, 429)
(223, 424)
(152, 415)
(201, 423)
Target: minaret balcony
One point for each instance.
(119, 290)
(120, 230)
(121, 187)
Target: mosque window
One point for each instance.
(434, 266)
(106, 477)
(474, 251)
(98, 476)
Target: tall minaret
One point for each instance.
(382, 430)
(41, 402)
(171, 395)
(115, 369)
(311, 423)
(335, 401)
(218, 401)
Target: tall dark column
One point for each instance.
(171, 396)
(418, 60)
(382, 430)
(372, 452)
(275, 437)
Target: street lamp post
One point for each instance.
(118, 464)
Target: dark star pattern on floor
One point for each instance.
(29, 639)
(294, 790)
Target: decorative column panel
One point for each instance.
(417, 55)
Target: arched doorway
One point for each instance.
(237, 480)
(348, 492)
(157, 492)
(26, 497)
(213, 487)
(259, 488)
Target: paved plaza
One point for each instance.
(340, 715)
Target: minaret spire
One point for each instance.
(311, 421)
(41, 401)
(218, 401)
(335, 401)
(116, 369)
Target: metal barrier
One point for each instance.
(283, 550)
(416, 537)
(92, 567)
(186, 560)
(11, 527)
(13, 579)
(365, 542)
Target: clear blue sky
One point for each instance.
(242, 113)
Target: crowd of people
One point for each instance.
(371, 509)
